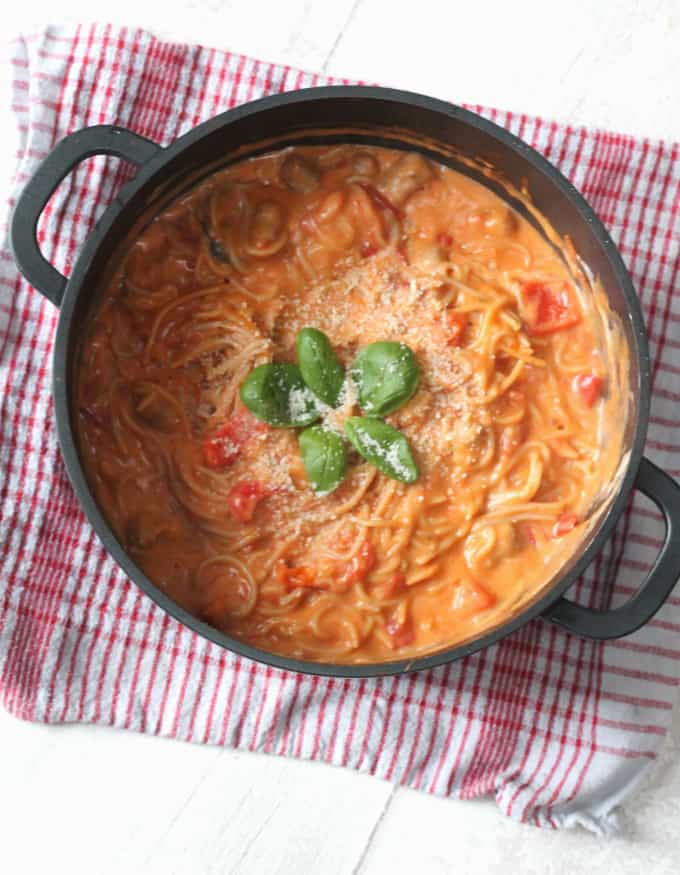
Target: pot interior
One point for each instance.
(454, 138)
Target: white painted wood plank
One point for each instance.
(298, 32)
(613, 64)
(426, 834)
(257, 816)
(83, 799)
(87, 791)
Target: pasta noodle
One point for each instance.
(511, 425)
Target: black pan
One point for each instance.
(382, 117)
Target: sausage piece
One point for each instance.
(405, 176)
(267, 225)
(364, 164)
(299, 174)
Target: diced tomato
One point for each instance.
(473, 598)
(244, 498)
(381, 199)
(225, 446)
(292, 577)
(565, 524)
(445, 240)
(359, 566)
(400, 629)
(341, 574)
(548, 307)
(395, 585)
(218, 453)
(456, 323)
(588, 387)
(368, 248)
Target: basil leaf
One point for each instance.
(382, 446)
(387, 375)
(324, 457)
(319, 365)
(277, 394)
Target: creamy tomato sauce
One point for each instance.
(365, 244)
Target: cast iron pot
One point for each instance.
(381, 117)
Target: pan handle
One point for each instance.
(657, 586)
(96, 140)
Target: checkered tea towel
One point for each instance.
(558, 729)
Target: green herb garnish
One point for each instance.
(285, 395)
(277, 394)
(319, 365)
(324, 456)
(382, 446)
(386, 374)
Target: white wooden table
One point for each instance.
(88, 800)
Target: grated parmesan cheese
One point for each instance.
(333, 418)
(383, 298)
(299, 403)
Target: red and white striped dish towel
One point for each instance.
(558, 729)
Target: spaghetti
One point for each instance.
(366, 244)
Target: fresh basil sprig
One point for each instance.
(277, 394)
(387, 375)
(287, 396)
(324, 456)
(319, 365)
(382, 446)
